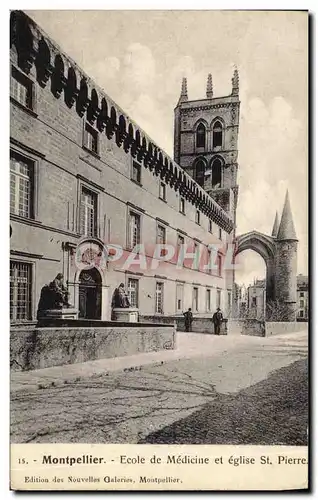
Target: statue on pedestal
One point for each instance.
(120, 298)
(54, 296)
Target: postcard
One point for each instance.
(159, 290)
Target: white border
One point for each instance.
(4, 184)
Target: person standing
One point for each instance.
(217, 319)
(188, 318)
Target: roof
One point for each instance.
(286, 228)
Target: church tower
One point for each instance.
(206, 141)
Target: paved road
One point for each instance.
(127, 406)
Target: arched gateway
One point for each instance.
(279, 252)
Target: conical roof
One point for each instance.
(275, 226)
(286, 228)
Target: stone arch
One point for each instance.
(201, 134)
(217, 166)
(264, 246)
(218, 129)
(91, 258)
(199, 168)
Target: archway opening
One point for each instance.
(200, 136)
(217, 134)
(216, 173)
(90, 294)
(200, 172)
(251, 281)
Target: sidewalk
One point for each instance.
(189, 345)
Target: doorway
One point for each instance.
(90, 288)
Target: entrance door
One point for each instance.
(90, 294)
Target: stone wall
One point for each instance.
(275, 328)
(200, 324)
(258, 328)
(33, 348)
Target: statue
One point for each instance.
(54, 296)
(120, 297)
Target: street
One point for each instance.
(212, 390)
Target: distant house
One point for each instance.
(302, 298)
(256, 299)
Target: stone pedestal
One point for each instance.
(63, 313)
(125, 314)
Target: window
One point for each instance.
(200, 136)
(21, 177)
(91, 138)
(159, 298)
(216, 173)
(161, 234)
(301, 303)
(301, 314)
(199, 172)
(220, 234)
(136, 172)
(254, 301)
(180, 245)
(301, 294)
(209, 263)
(218, 298)
(133, 292)
(182, 205)
(88, 212)
(20, 291)
(210, 226)
(219, 261)
(21, 88)
(208, 300)
(162, 191)
(195, 299)
(179, 296)
(134, 229)
(217, 134)
(197, 217)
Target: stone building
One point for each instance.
(302, 298)
(256, 299)
(88, 186)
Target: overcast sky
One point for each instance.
(140, 57)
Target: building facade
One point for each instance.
(92, 196)
(256, 300)
(302, 298)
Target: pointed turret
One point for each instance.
(275, 226)
(184, 91)
(235, 82)
(209, 87)
(286, 228)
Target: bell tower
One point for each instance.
(206, 141)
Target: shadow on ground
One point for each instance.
(271, 412)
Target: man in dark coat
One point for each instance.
(188, 318)
(217, 319)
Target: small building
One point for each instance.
(256, 299)
(302, 298)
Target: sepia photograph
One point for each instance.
(159, 288)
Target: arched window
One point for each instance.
(199, 172)
(200, 139)
(217, 134)
(216, 173)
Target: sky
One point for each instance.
(140, 57)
